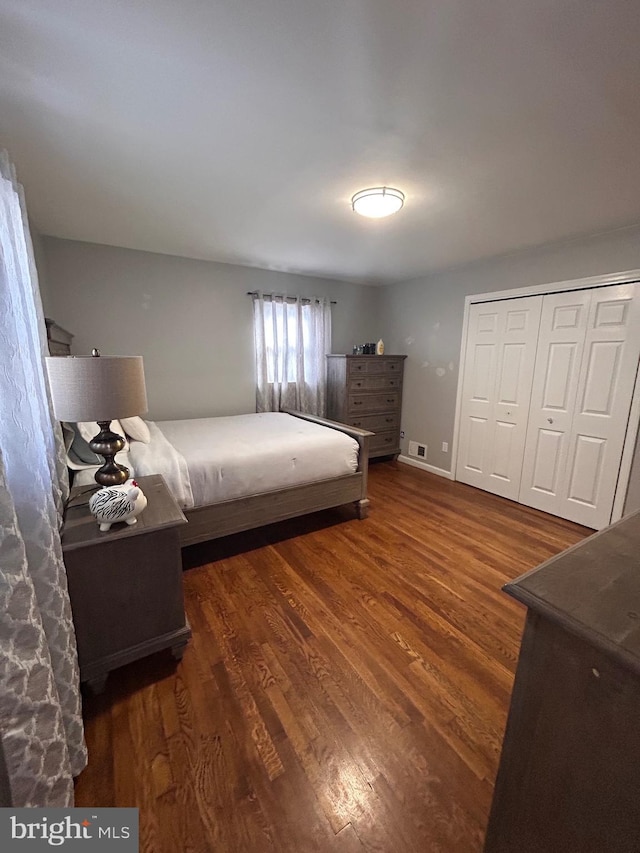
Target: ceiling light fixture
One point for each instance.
(377, 202)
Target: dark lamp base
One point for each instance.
(107, 444)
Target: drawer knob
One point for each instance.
(389, 420)
(390, 400)
(357, 402)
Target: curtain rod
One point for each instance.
(304, 298)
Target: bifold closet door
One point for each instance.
(563, 327)
(586, 365)
(498, 374)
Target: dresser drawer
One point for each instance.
(56, 348)
(371, 364)
(375, 364)
(377, 423)
(373, 402)
(373, 383)
(385, 441)
(59, 339)
(393, 365)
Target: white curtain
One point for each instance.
(292, 338)
(40, 708)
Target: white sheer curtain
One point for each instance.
(40, 709)
(292, 338)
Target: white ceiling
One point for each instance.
(237, 130)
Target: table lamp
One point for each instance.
(99, 388)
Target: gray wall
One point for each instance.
(423, 318)
(191, 320)
(41, 265)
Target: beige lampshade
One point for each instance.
(97, 388)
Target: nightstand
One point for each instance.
(125, 585)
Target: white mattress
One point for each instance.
(244, 455)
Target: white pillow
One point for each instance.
(90, 429)
(136, 429)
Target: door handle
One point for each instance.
(550, 420)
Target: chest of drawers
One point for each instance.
(59, 339)
(570, 768)
(366, 391)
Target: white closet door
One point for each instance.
(563, 326)
(571, 468)
(498, 372)
(605, 390)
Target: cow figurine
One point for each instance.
(117, 503)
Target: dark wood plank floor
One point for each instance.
(347, 685)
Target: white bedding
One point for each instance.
(208, 460)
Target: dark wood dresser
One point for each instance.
(125, 585)
(569, 777)
(365, 391)
(59, 339)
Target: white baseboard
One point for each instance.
(416, 463)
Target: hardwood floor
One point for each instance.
(347, 685)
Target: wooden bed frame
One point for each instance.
(233, 516)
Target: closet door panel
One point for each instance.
(560, 373)
(585, 470)
(483, 375)
(547, 455)
(498, 371)
(502, 451)
(511, 374)
(605, 389)
(563, 326)
(476, 443)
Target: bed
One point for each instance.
(237, 473)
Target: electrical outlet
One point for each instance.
(445, 446)
(401, 433)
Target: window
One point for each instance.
(287, 331)
(292, 338)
